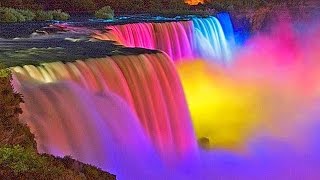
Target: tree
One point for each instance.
(105, 13)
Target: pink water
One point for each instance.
(148, 83)
(197, 38)
(128, 114)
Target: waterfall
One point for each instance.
(210, 40)
(96, 129)
(148, 83)
(174, 38)
(197, 38)
(257, 118)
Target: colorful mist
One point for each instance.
(265, 106)
(256, 118)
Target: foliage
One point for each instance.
(28, 14)
(22, 160)
(4, 72)
(11, 130)
(105, 13)
(142, 6)
(43, 16)
(18, 15)
(16, 161)
(8, 15)
(10, 100)
(59, 15)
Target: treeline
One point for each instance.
(11, 15)
(73, 6)
(137, 6)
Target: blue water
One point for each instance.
(210, 40)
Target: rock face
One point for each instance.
(18, 154)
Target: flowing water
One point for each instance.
(199, 38)
(148, 83)
(146, 117)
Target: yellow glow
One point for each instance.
(223, 110)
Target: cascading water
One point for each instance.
(210, 41)
(174, 38)
(96, 129)
(199, 38)
(148, 83)
(112, 112)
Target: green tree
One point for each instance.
(105, 13)
(7, 17)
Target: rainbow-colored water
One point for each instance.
(199, 38)
(254, 114)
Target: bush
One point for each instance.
(17, 162)
(20, 17)
(43, 16)
(7, 16)
(59, 15)
(28, 14)
(11, 15)
(105, 13)
(4, 72)
(22, 160)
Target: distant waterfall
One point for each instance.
(210, 41)
(199, 38)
